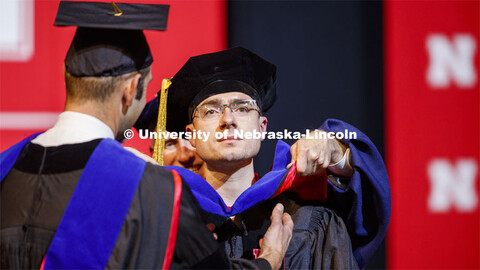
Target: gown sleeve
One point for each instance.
(365, 203)
(320, 241)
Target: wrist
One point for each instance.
(342, 167)
(338, 153)
(275, 259)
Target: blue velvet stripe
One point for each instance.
(261, 191)
(95, 214)
(365, 204)
(9, 156)
(206, 196)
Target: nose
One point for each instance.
(227, 119)
(186, 154)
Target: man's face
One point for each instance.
(230, 148)
(179, 152)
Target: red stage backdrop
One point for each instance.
(32, 51)
(432, 134)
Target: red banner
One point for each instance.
(432, 133)
(32, 51)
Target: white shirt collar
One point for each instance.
(74, 127)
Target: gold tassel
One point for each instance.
(118, 12)
(161, 122)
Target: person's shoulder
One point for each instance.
(159, 179)
(156, 175)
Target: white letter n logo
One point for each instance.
(452, 185)
(451, 60)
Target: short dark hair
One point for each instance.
(100, 88)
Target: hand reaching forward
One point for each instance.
(141, 155)
(277, 238)
(314, 155)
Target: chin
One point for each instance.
(236, 156)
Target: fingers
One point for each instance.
(277, 238)
(301, 154)
(290, 164)
(287, 227)
(287, 220)
(280, 218)
(327, 161)
(277, 213)
(313, 156)
(311, 161)
(322, 163)
(141, 155)
(293, 152)
(308, 154)
(301, 158)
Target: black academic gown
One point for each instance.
(37, 190)
(320, 239)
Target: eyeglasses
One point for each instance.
(239, 109)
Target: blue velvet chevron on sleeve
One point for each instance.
(365, 204)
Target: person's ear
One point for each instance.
(190, 128)
(263, 121)
(129, 91)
